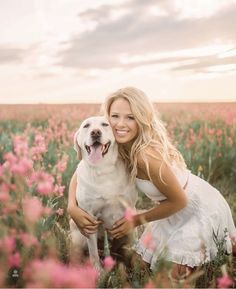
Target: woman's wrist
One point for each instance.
(136, 220)
(139, 220)
(71, 207)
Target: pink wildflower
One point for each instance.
(21, 146)
(45, 188)
(1, 170)
(14, 260)
(53, 274)
(44, 182)
(224, 282)
(62, 164)
(150, 284)
(10, 159)
(10, 208)
(4, 192)
(60, 211)
(109, 263)
(58, 189)
(28, 239)
(22, 167)
(9, 244)
(148, 241)
(33, 209)
(47, 211)
(129, 214)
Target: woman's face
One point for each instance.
(122, 121)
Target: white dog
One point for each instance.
(104, 188)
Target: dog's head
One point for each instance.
(94, 139)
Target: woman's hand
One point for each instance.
(121, 228)
(86, 223)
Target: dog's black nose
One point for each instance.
(96, 133)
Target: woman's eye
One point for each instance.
(114, 115)
(131, 117)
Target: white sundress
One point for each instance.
(190, 236)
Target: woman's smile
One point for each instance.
(121, 132)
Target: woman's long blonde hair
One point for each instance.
(152, 132)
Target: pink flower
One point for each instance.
(10, 159)
(129, 214)
(58, 189)
(21, 147)
(150, 284)
(211, 131)
(9, 244)
(60, 211)
(52, 274)
(14, 260)
(224, 282)
(45, 188)
(22, 167)
(28, 239)
(148, 241)
(33, 209)
(1, 170)
(62, 164)
(47, 211)
(10, 208)
(109, 263)
(39, 147)
(219, 132)
(44, 182)
(4, 192)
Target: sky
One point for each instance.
(76, 51)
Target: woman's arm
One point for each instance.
(86, 223)
(176, 198)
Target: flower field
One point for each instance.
(37, 161)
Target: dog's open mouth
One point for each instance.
(97, 150)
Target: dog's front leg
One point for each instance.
(93, 251)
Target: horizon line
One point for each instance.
(96, 103)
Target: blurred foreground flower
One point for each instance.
(129, 214)
(224, 282)
(33, 209)
(109, 263)
(51, 273)
(148, 241)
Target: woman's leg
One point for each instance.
(137, 260)
(175, 277)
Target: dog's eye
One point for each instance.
(86, 125)
(105, 124)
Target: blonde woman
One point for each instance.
(190, 216)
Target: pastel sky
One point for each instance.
(67, 51)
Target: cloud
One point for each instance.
(138, 31)
(202, 64)
(10, 54)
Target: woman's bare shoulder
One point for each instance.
(148, 154)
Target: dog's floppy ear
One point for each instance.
(77, 147)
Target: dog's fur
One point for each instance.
(104, 188)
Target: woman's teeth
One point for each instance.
(121, 132)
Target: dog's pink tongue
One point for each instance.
(95, 154)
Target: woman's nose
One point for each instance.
(120, 122)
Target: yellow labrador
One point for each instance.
(104, 188)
